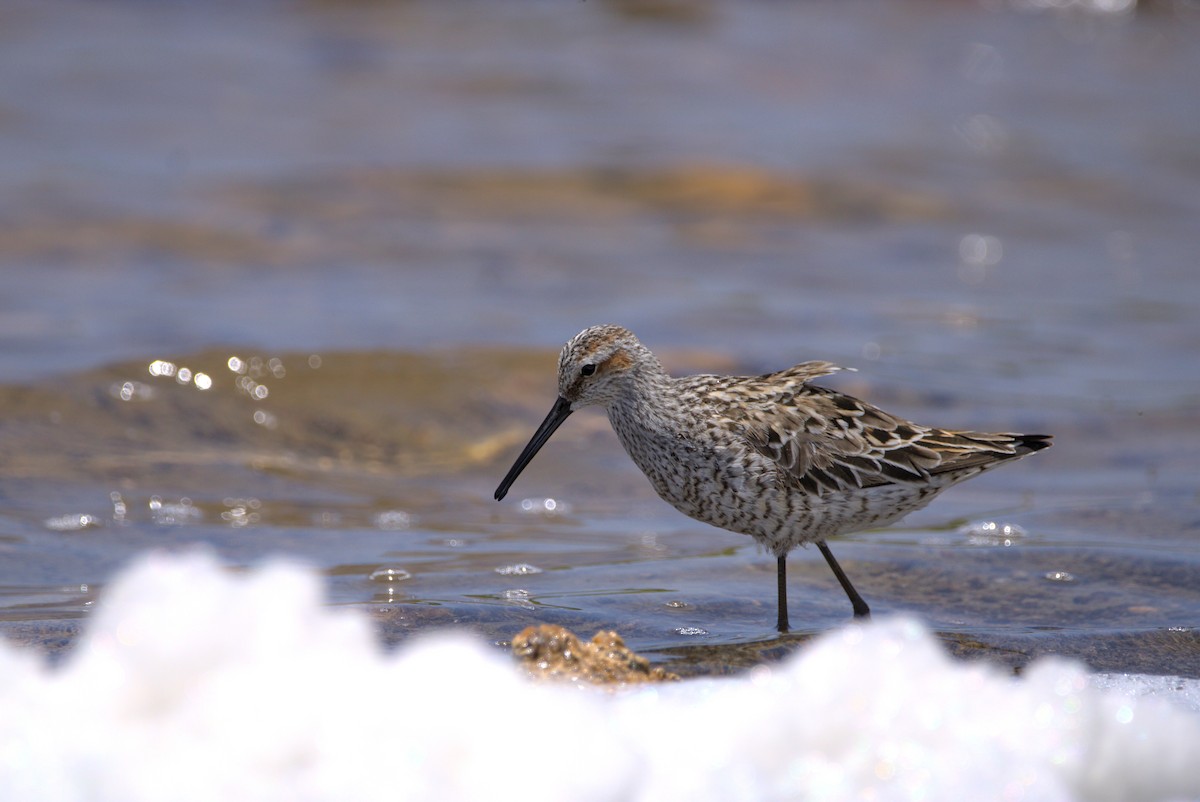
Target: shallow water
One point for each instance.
(370, 227)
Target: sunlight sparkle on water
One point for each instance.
(133, 391)
(72, 523)
(252, 388)
(519, 569)
(991, 533)
(264, 418)
(393, 519)
(519, 597)
(250, 370)
(173, 513)
(119, 506)
(389, 574)
(241, 512)
(160, 367)
(545, 506)
(978, 253)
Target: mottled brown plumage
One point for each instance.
(774, 456)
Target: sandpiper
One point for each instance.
(773, 456)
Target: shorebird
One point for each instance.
(773, 456)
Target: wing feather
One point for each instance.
(824, 441)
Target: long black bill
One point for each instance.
(559, 413)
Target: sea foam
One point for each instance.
(193, 682)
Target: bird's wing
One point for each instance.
(825, 441)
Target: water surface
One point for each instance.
(370, 227)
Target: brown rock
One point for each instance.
(551, 652)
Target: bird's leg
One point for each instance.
(781, 623)
(861, 610)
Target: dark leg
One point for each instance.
(782, 622)
(861, 610)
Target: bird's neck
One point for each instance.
(645, 403)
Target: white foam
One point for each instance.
(193, 682)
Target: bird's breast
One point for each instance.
(701, 473)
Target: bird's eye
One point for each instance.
(587, 370)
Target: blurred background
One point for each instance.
(291, 278)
